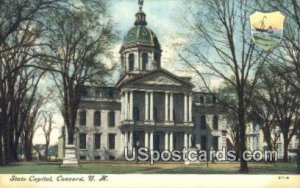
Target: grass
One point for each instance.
(146, 168)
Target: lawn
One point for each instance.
(146, 168)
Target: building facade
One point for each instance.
(149, 106)
(255, 141)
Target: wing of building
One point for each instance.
(148, 106)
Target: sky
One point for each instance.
(164, 17)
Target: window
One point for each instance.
(203, 142)
(82, 141)
(156, 57)
(82, 157)
(131, 62)
(111, 93)
(97, 118)
(203, 122)
(136, 114)
(97, 141)
(98, 157)
(155, 114)
(214, 99)
(111, 141)
(84, 93)
(216, 142)
(82, 118)
(215, 122)
(201, 99)
(193, 141)
(174, 115)
(111, 117)
(144, 61)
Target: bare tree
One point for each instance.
(79, 43)
(283, 103)
(47, 128)
(19, 30)
(30, 124)
(290, 54)
(223, 27)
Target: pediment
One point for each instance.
(159, 78)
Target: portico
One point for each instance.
(157, 140)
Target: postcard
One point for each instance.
(147, 93)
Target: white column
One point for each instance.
(171, 107)
(166, 106)
(126, 139)
(131, 106)
(171, 141)
(126, 106)
(146, 106)
(190, 107)
(190, 141)
(151, 141)
(166, 141)
(146, 140)
(185, 108)
(131, 140)
(186, 140)
(151, 105)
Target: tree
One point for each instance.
(290, 54)
(47, 127)
(282, 101)
(223, 27)
(19, 30)
(30, 124)
(79, 41)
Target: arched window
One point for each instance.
(82, 118)
(215, 122)
(131, 62)
(111, 118)
(155, 114)
(144, 61)
(136, 114)
(156, 57)
(97, 118)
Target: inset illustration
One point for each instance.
(267, 28)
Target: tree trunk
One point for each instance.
(285, 147)
(70, 136)
(46, 151)
(242, 143)
(298, 153)
(28, 148)
(1, 148)
(237, 141)
(7, 145)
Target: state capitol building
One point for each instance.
(148, 106)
